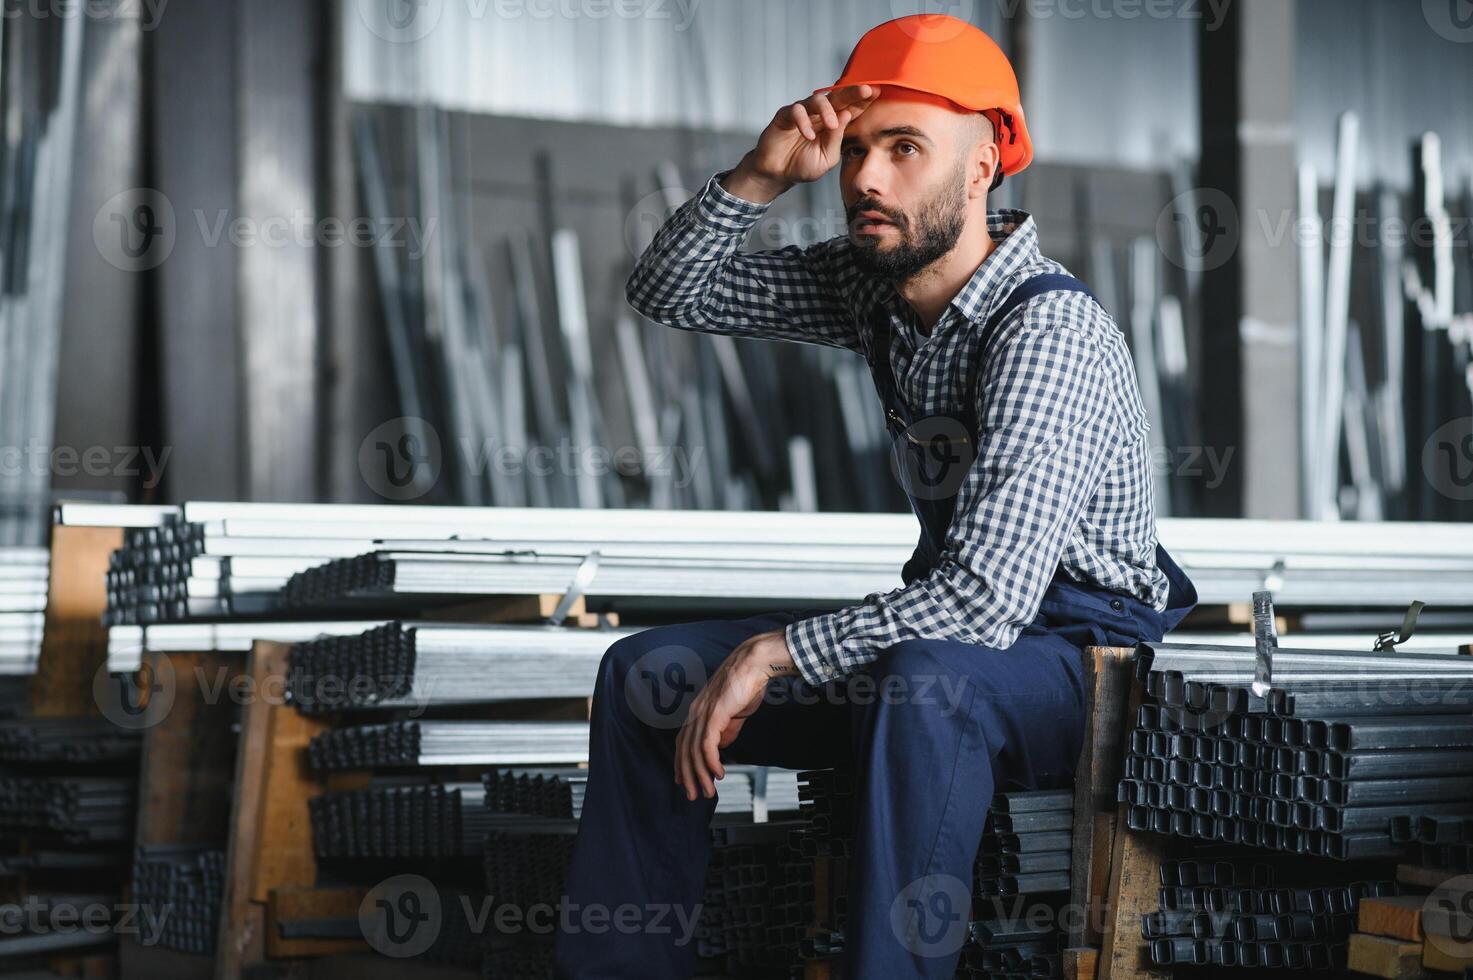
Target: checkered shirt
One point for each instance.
(1062, 474)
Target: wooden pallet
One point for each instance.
(1115, 869)
(271, 869)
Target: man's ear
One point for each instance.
(985, 156)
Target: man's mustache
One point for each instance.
(894, 217)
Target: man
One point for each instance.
(1039, 541)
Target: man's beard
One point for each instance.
(926, 237)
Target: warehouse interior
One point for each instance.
(333, 460)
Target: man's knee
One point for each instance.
(651, 676)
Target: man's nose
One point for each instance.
(869, 179)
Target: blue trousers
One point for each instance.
(932, 730)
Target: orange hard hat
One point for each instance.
(942, 55)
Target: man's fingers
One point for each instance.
(855, 97)
(711, 750)
(696, 760)
(682, 777)
(799, 116)
(818, 105)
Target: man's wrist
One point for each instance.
(769, 658)
(744, 181)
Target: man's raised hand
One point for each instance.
(801, 143)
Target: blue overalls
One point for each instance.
(930, 730)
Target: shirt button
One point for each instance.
(1117, 604)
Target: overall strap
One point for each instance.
(1044, 282)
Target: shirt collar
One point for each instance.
(1016, 236)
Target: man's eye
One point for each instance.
(852, 151)
(905, 148)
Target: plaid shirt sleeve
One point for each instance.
(1050, 420)
(692, 277)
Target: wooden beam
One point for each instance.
(1081, 963)
(1395, 917)
(296, 903)
(271, 831)
(1108, 674)
(1391, 959)
(1134, 875)
(188, 759)
(74, 644)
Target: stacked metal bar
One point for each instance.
(526, 961)
(1445, 842)
(449, 743)
(214, 560)
(1230, 913)
(1389, 736)
(1025, 851)
(418, 664)
(419, 820)
(557, 793)
(76, 809)
(1026, 844)
(62, 739)
(749, 916)
(1002, 949)
(25, 575)
(826, 804)
(184, 887)
(126, 645)
(1215, 681)
(218, 560)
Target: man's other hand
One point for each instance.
(718, 712)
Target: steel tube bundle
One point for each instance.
(1010, 859)
(184, 885)
(25, 575)
(557, 793)
(450, 743)
(158, 575)
(76, 809)
(1312, 787)
(400, 664)
(414, 580)
(426, 820)
(62, 739)
(1230, 914)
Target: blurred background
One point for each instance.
(358, 250)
